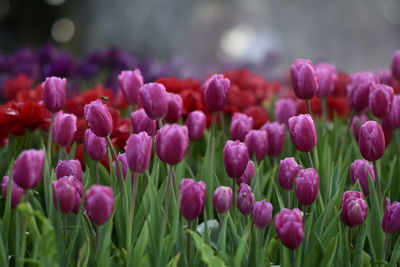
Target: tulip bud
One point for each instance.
(303, 133)
(154, 99)
(193, 197)
(290, 227)
(287, 173)
(130, 82)
(124, 164)
(391, 217)
(196, 123)
(222, 199)
(371, 141)
(360, 170)
(216, 92)
(358, 90)
(95, 146)
(175, 108)
(276, 137)
(284, 109)
(356, 124)
(99, 118)
(54, 93)
(99, 203)
(304, 79)
(245, 200)
(307, 185)
(396, 65)
(240, 126)
(391, 121)
(249, 172)
(326, 77)
(28, 168)
(381, 99)
(69, 168)
(67, 192)
(64, 128)
(354, 208)
(138, 152)
(172, 143)
(236, 157)
(142, 123)
(16, 192)
(262, 213)
(257, 144)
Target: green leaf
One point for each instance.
(395, 253)
(207, 254)
(84, 252)
(174, 261)
(360, 240)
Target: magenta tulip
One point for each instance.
(175, 108)
(16, 192)
(236, 157)
(99, 118)
(142, 123)
(193, 197)
(303, 133)
(245, 200)
(287, 173)
(396, 65)
(124, 165)
(384, 76)
(172, 143)
(391, 217)
(222, 199)
(381, 99)
(304, 79)
(240, 126)
(64, 129)
(360, 170)
(326, 77)
(391, 121)
(257, 144)
(371, 141)
(196, 123)
(354, 208)
(67, 192)
(99, 203)
(138, 152)
(28, 168)
(290, 227)
(54, 93)
(356, 124)
(154, 99)
(262, 213)
(130, 82)
(249, 172)
(69, 168)
(276, 137)
(307, 186)
(95, 146)
(216, 92)
(284, 109)
(358, 90)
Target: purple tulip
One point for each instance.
(196, 123)
(95, 146)
(138, 152)
(276, 137)
(326, 76)
(99, 118)
(175, 108)
(396, 65)
(290, 227)
(142, 123)
(303, 133)
(391, 121)
(354, 208)
(360, 170)
(257, 144)
(358, 90)
(154, 99)
(249, 172)
(16, 192)
(245, 200)
(222, 199)
(384, 76)
(28, 168)
(307, 185)
(240, 126)
(262, 213)
(236, 157)
(304, 79)
(284, 109)
(391, 217)
(130, 82)
(67, 192)
(64, 128)
(172, 142)
(193, 197)
(99, 203)
(69, 168)
(216, 92)
(287, 173)
(371, 141)
(356, 124)
(54, 93)
(381, 99)
(124, 164)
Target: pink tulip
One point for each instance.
(54, 93)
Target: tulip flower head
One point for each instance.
(175, 108)
(354, 208)
(245, 200)
(99, 118)
(371, 141)
(391, 217)
(326, 76)
(290, 227)
(287, 173)
(307, 185)
(356, 124)
(196, 123)
(142, 123)
(67, 192)
(358, 90)
(54, 93)
(257, 144)
(216, 92)
(95, 146)
(240, 126)
(69, 168)
(172, 142)
(303, 133)
(193, 197)
(360, 170)
(130, 82)
(304, 79)
(222, 199)
(28, 168)
(16, 191)
(236, 157)
(64, 128)
(381, 99)
(391, 121)
(138, 152)
(284, 109)
(154, 99)
(99, 203)
(249, 172)
(396, 65)
(276, 138)
(262, 213)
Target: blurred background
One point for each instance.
(353, 34)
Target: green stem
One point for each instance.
(173, 179)
(210, 177)
(288, 198)
(292, 253)
(130, 221)
(160, 124)
(50, 136)
(96, 173)
(386, 246)
(378, 183)
(309, 111)
(114, 154)
(221, 115)
(189, 244)
(310, 159)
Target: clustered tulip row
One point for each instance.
(158, 139)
